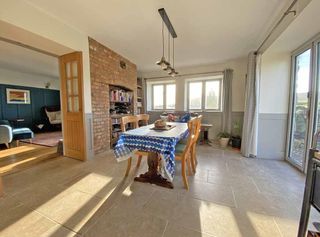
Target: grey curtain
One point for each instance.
(227, 101)
(250, 120)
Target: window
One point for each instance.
(164, 96)
(204, 95)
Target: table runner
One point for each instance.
(146, 139)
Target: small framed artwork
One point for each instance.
(16, 96)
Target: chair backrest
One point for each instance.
(144, 118)
(130, 119)
(198, 128)
(192, 129)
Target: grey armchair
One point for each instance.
(6, 134)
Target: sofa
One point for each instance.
(8, 133)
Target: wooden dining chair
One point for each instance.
(183, 152)
(194, 160)
(132, 121)
(143, 120)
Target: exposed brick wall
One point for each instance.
(105, 70)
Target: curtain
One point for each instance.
(227, 101)
(251, 110)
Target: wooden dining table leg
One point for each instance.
(152, 175)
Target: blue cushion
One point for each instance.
(22, 133)
(185, 118)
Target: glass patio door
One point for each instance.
(300, 110)
(316, 125)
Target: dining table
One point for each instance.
(159, 144)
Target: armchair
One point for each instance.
(6, 134)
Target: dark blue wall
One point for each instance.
(31, 113)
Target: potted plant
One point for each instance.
(236, 138)
(224, 139)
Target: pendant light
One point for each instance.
(173, 72)
(162, 63)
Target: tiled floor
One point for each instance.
(229, 196)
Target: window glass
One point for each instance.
(158, 97)
(170, 96)
(212, 94)
(195, 95)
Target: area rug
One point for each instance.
(49, 139)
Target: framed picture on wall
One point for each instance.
(16, 96)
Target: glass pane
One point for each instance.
(68, 70)
(75, 86)
(300, 108)
(171, 96)
(317, 118)
(195, 95)
(69, 104)
(158, 97)
(212, 95)
(76, 104)
(74, 69)
(69, 92)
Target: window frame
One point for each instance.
(203, 94)
(164, 84)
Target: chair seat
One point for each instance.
(179, 148)
(22, 133)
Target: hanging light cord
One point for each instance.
(173, 52)
(162, 41)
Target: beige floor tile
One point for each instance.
(220, 194)
(173, 230)
(121, 221)
(72, 209)
(22, 221)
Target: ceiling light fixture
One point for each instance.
(165, 65)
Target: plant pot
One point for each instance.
(224, 142)
(236, 142)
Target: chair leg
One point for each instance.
(139, 161)
(188, 160)
(30, 140)
(7, 145)
(184, 175)
(195, 154)
(192, 159)
(128, 166)
(18, 142)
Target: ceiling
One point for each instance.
(302, 29)
(209, 31)
(17, 58)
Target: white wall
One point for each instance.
(275, 82)
(239, 67)
(22, 14)
(10, 77)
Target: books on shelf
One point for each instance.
(120, 96)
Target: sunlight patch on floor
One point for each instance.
(15, 151)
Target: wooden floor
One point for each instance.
(18, 158)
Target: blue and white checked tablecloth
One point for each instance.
(146, 139)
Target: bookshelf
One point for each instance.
(121, 104)
(140, 96)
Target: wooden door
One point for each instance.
(72, 105)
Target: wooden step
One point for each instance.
(14, 161)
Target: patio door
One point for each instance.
(72, 105)
(299, 123)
